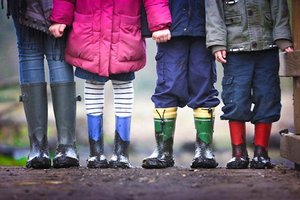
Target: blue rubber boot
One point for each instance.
(97, 158)
(120, 158)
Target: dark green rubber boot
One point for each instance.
(64, 105)
(34, 98)
(204, 123)
(164, 125)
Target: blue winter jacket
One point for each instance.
(188, 18)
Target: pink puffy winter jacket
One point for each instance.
(105, 36)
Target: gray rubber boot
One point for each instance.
(34, 98)
(64, 105)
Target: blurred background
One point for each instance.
(14, 144)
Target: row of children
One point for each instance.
(103, 40)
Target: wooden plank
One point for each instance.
(295, 23)
(290, 147)
(289, 64)
(296, 92)
(296, 86)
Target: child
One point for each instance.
(31, 20)
(242, 36)
(105, 43)
(186, 76)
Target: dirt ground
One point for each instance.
(173, 183)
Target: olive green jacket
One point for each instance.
(247, 25)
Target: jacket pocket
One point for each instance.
(231, 20)
(80, 42)
(131, 46)
(234, 29)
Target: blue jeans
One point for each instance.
(33, 45)
(251, 87)
(186, 73)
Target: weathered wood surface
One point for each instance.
(290, 147)
(289, 64)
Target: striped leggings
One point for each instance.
(123, 97)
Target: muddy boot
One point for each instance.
(64, 105)
(164, 125)
(120, 157)
(204, 122)
(34, 98)
(261, 158)
(97, 158)
(240, 159)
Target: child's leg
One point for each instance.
(63, 91)
(164, 126)
(94, 104)
(34, 94)
(266, 93)
(237, 99)
(239, 158)
(171, 92)
(123, 104)
(203, 99)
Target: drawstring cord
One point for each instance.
(162, 119)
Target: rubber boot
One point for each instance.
(261, 159)
(204, 122)
(240, 158)
(120, 157)
(97, 158)
(64, 105)
(34, 98)
(164, 125)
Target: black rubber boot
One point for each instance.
(120, 157)
(261, 159)
(204, 122)
(97, 158)
(34, 98)
(64, 104)
(240, 159)
(204, 157)
(162, 156)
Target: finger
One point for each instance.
(169, 36)
(224, 54)
(62, 28)
(165, 38)
(220, 58)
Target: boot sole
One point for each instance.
(98, 164)
(259, 165)
(39, 163)
(153, 163)
(205, 164)
(116, 165)
(237, 165)
(65, 162)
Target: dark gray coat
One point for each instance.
(246, 25)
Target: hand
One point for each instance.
(289, 49)
(57, 30)
(221, 56)
(161, 36)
